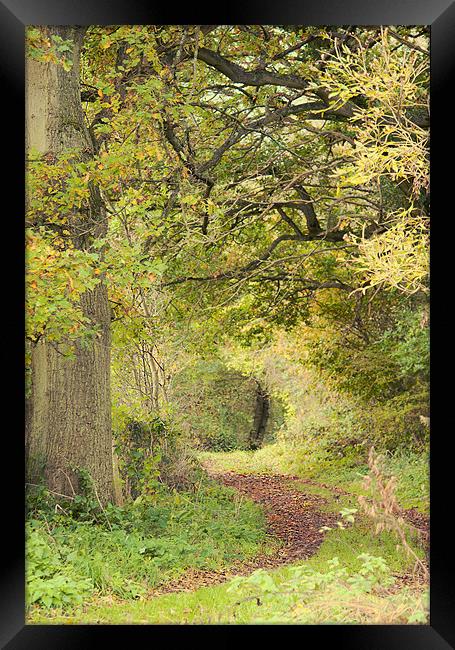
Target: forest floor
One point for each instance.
(296, 510)
(294, 519)
(303, 518)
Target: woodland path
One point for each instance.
(294, 517)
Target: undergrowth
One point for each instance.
(90, 564)
(353, 578)
(346, 472)
(78, 551)
(335, 594)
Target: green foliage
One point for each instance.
(333, 595)
(413, 473)
(396, 425)
(127, 551)
(48, 49)
(84, 506)
(57, 276)
(392, 82)
(306, 584)
(408, 343)
(221, 604)
(215, 277)
(138, 450)
(259, 279)
(397, 258)
(50, 583)
(213, 405)
(390, 145)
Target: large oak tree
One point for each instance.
(69, 410)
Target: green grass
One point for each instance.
(214, 527)
(142, 546)
(218, 605)
(411, 469)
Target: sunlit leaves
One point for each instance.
(388, 85)
(57, 275)
(48, 48)
(167, 221)
(397, 258)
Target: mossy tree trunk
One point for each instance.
(261, 416)
(69, 409)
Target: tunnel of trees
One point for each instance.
(205, 184)
(227, 236)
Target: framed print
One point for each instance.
(227, 323)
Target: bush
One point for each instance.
(127, 551)
(220, 441)
(335, 595)
(50, 581)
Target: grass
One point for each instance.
(411, 469)
(142, 546)
(217, 604)
(214, 527)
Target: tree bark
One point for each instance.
(261, 416)
(69, 410)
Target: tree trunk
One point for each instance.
(261, 416)
(69, 410)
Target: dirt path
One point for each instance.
(293, 517)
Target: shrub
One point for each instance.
(127, 551)
(50, 582)
(335, 595)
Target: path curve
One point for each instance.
(293, 517)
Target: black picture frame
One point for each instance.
(440, 15)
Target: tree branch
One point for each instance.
(257, 78)
(290, 222)
(307, 208)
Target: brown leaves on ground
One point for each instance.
(293, 517)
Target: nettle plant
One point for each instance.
(50, 581)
